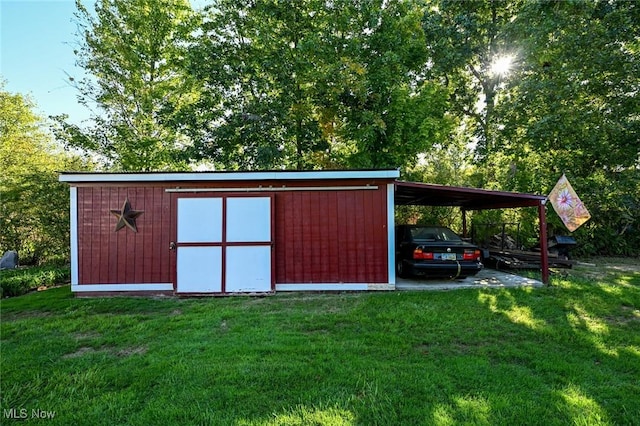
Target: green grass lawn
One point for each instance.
(565, 354)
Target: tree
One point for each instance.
(574, 102)
(34, 206)
(392, 112)
(573, 108)
(465, 40)
(314, 84)
(257, 67)
(569, 103)
(132, 51)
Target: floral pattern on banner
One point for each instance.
(568, 205)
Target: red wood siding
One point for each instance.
(331, 236)
(107, 257)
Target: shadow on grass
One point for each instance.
(589, 345)
(559, 355)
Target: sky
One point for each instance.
(37, 39)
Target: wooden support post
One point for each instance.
(544, 254)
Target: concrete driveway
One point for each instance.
(487, 278)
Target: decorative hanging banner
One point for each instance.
(567, 204)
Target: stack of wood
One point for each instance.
(504, 254)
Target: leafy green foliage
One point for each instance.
(464, 38)
(569, 104)
(392, 113)
(132, 53)
(314, 84)
(15, 282)
(573, 108)
(34, 206)
(257, 69)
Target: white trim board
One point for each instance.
(279, 287)
(122, 287)
(73, 233)
(275, 189)
(228, 176)
(391, 234)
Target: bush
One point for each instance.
(15, 282)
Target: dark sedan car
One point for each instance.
(434, 251)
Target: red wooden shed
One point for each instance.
(208, 233)
(213, 233)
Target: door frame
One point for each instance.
(223, 243)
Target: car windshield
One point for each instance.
(433, 234)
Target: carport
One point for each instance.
(424, 194)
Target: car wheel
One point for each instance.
(401, 271)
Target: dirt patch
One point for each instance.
(423, 348)
(25, 315)
(80, 352)
(304, 296)
(87, 335)
(618, 264)
(224, 326)
(623, 268)
(621, 320)
(136, 350)
(314, 331)
(133, 350)
(631, 315)
(605, 268)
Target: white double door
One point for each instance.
(224, 245)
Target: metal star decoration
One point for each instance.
(126, 216)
